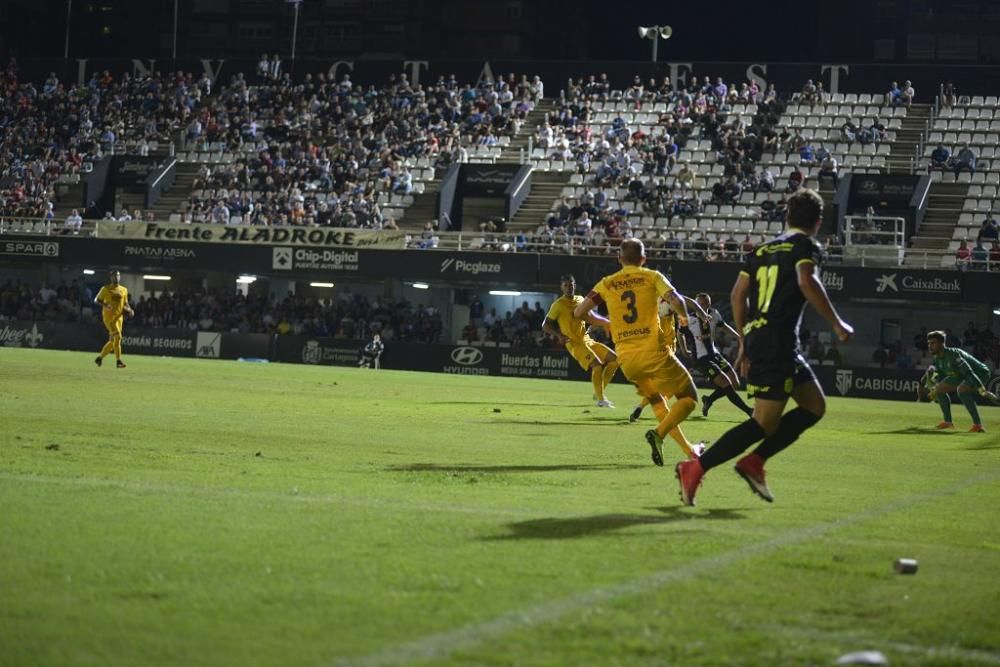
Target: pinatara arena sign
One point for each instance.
(252, 235)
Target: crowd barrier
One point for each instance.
(852, 382)
(523, 271)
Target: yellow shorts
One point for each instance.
(114, 326)
(587, 352)
(656, 374)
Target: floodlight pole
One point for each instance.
(174, 51)
(69, 13)
(656, 42)
(295, 29)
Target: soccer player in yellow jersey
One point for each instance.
(668, 325)
(596, 358)
(113, 300)
(632, 296)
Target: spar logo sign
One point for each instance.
(467, 361)
(844, 380)
(281, 258)
(30, 248)
(462, 266)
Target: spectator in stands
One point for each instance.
(990, 230)
(907, 94)
(965, 159)
(795, 180)
(939, 158)
(807, 155)
(948, 96)
(828, 168)
(904, 360)
(816, 350)
(809, 91)
(746, 247)
(733, 190)
(980, 256)
(970, 337)
(834, 249)
(893, 96)
(73, 221)
(834, 354)
(766, 180)
(963, 255)
(920, 340)
(849, 131)
(995, 256)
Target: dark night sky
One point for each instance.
(720, 30)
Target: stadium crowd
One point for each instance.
(55, 130)
(348, 315)
(323, 152)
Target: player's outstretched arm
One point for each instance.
(814, 292)
(595, 320)
(584, 307)
(676, 301)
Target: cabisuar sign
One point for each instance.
(252, 235)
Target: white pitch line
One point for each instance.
(865, 642)
(291, 495)
(441, 645)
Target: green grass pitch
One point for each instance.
(218, 513)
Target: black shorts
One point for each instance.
(775, 380)
(712, 365)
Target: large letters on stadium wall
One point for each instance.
(787, 77)
(254, 235)
(523, 270)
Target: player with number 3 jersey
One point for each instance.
(632, 298)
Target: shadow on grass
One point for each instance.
(434, 467)
(493, 403)
(913, 430)
(993, 443)
(585, 526)
(583, 421)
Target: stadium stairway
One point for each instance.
(175, 199)
(943, 210)
(908, 137)
(546, 188)
(519, 142)
(424, 206)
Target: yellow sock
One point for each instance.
(661, 411)
(597, 378)
(118, 347)
(107, 349)
(682, 408)
(609, 372)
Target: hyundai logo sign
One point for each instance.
(466, 356)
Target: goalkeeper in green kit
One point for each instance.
(957, 370)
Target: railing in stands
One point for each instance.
(852, 254)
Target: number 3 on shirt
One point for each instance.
(632, 314)
(767, 281)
